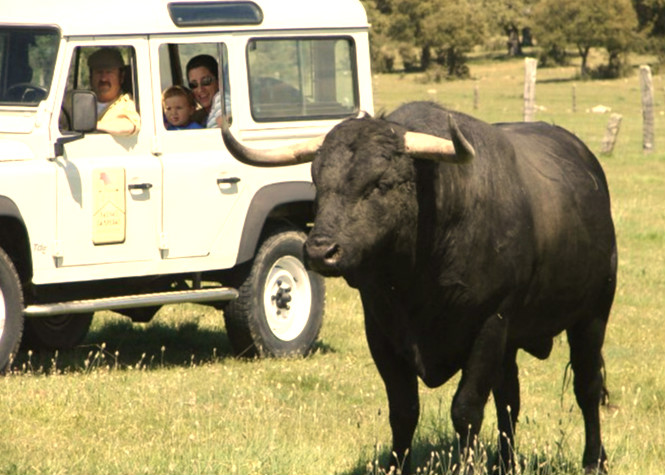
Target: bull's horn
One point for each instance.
(288, 155)
(431, 147)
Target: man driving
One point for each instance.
(116, 110)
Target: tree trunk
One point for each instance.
(514, 43)
(584, 53)
(425, 58)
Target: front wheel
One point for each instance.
(279, 310)
(11, 311)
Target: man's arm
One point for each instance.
(120, 118)
(119, 125)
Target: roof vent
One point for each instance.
(215, 13)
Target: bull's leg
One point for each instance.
(402, 390)
(586, 341)
(401, 384)
(507, 401)
(479, 375)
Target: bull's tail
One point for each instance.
(604, 392)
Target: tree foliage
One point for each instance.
(651, 19)
(509, 18)
(406, 27)
(651, 16)
(422, 33)
(609, 24)
(452, 30)
(425, 31)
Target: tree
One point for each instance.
(651, 18)
(453, 30)
(609, 24)
(510, 17)
(406, 27)
(425, 30)
(382, 49)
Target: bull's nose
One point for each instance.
(323, 254)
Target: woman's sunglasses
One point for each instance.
(206, 81)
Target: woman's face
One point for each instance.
(203, 84)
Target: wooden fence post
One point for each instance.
(611, 133)
(646, 86)
(530, 67)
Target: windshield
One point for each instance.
(27, 58)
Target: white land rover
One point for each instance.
(91, 220)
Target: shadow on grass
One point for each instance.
(442, 458)
(427, 458)
(568, 80)
(120, 343)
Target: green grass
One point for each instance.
(167, 397)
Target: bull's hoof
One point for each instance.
(599, 468)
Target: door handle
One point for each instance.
(228, 181)
(139, 186)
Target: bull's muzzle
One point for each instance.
(323, 255)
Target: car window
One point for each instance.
(302, 78)
(209, 79)
(27, 59)
(120, 60)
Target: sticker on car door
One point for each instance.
(108, 206)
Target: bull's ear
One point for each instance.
(463, 149)
(438, 149)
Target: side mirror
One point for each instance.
(84, 119)
(84, 111)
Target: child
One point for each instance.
(179, 105)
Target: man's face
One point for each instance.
(106, 84)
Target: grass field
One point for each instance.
(167, 397)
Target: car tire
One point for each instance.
(11, 311)
(279, 311)
(60, 332)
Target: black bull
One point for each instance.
(498, 241)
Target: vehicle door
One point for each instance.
(202, 181)
(109, 185)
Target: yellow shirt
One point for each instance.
(122, 108)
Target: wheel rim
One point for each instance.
(287, 298)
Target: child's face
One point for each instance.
(178, 110)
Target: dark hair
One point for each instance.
(206, 61)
